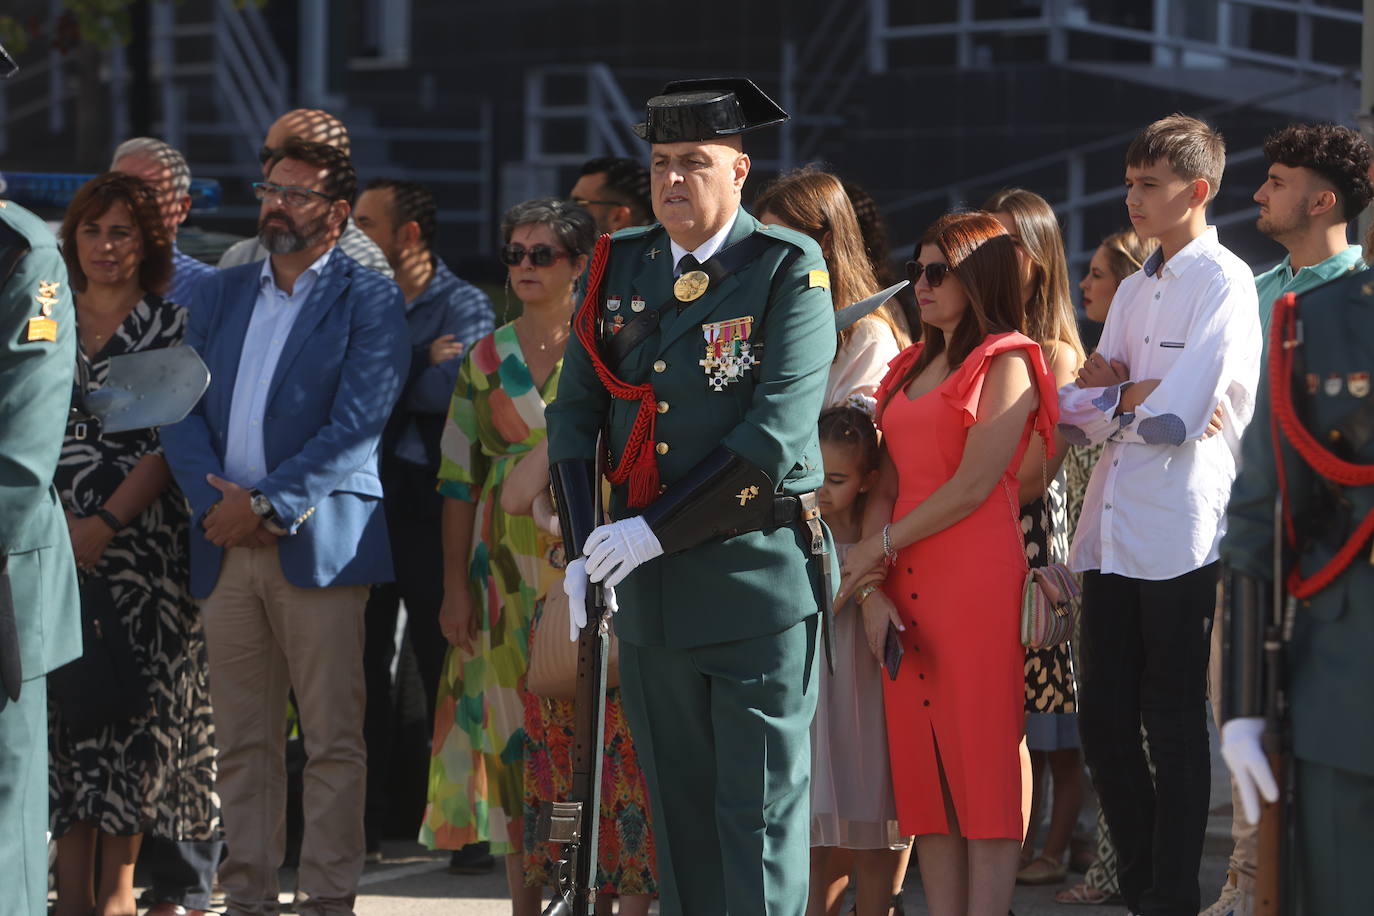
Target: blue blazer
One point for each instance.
(339, 375)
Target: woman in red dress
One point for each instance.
(957, 412)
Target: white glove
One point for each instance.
(1240, 747)
(575, 587)
(613, 550)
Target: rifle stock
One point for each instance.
(1269, 865)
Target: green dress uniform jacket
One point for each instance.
(1330, 677)
(718, 642)
(37, 361)
(755, 583)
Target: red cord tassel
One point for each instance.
(637, 462)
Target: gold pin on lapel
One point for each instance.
(654, 253)
(747, 494)
(691, 286)
(47, 295)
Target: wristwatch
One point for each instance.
(262, 506)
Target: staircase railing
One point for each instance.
(605, 113)
(249, 72)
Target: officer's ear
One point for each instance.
(741, 169)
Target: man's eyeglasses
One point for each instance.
(540, 255)
(291, 195)
(934, 273)
(584, 202)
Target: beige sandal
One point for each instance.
(1042, 870)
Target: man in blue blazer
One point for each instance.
(307, 352)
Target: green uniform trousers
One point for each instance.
(24, 800)
(1335, 811)
(723, 735)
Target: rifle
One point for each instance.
(575, 823)
(1274, 872)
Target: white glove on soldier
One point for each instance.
(613, 550)
(1240, 747)
(575, 587)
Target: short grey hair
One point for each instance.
(161, 152)
(572, 225)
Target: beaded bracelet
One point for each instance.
(888, 551)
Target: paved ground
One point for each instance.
(413, 881)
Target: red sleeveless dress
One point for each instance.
(961, 688)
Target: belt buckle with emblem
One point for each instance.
(729, 353)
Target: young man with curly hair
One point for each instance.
(1318, 182)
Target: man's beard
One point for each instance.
(1278, 228)
(287, 238)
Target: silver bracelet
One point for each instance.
(888, 550)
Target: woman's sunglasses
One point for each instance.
(540, 255)
(934, 273)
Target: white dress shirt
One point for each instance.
(274, 313)
(1156, 504)
(707, 249)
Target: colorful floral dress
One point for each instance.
(625, 845)
(496, 417)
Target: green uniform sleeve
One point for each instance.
(1249, 542)
(35, 393)
(799, 335)
(578, 413)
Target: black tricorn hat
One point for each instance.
(691, 110)
(8, 67)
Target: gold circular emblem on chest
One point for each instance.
(691, 285)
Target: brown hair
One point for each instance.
(93, 200)
(1127, 252)
(814, 203)
(1050, 317)
(852, 427)
(1189, 146)
(982, 256)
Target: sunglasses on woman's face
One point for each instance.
(540, 255)
(934, 273)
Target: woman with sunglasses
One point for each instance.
(1051, 705)
(853, 817)
(497, 564)
(957, 412)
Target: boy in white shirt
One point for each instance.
(1182, 337)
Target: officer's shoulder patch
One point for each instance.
(818, 278)
(630, 233)
(804, 244)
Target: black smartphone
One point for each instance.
(892, 651)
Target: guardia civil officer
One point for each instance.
(702, 348)
(40, 624)
(1316, 392)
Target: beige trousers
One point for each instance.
(1245, 834)
(266, 636)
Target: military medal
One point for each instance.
(47, 295)
(637, 304)
(1332, 385)
(1357, 383)
(728, 351)
(691, 286)
(613, 304)
(617, 323)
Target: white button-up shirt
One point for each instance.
(707, 249)
(274, 314)
(1156, 504)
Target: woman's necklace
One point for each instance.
(560, 335)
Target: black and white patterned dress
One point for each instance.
(155, 773)
(1049, 672)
